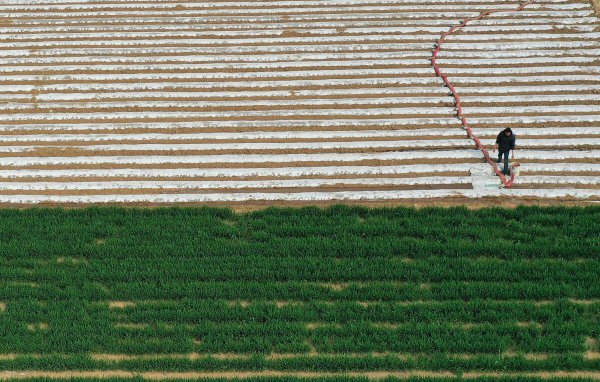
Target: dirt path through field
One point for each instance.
(376, 375)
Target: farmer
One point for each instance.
(505, 142)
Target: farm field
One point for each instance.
(114, 101)
(350, 294)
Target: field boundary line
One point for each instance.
(459, 113)
(373, 375)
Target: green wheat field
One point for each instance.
(336, 294)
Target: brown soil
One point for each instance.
(249, 206)
(77, 151)
(2, 307)
(124, 70)
(82, 144)
(596, 5)
(274, 77)
(336, 188)
(592, 355)
(255, 164)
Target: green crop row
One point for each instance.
(517, 363)
(338, 232)
(296, 290)
(284, 268)
(475, 311)
(324, 379)
(69, 329)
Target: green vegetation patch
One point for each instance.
(342, 289)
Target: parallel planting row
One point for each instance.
(204, 293)
(306, 101)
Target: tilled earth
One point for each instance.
(294, 102)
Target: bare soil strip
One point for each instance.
(376, 375)
(596, 5)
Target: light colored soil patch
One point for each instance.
(337, 287)
(37, 326)
(536, 356)
(593, 350)
(312, 348)
(542, 375)
(113, 357)
(241, 303)
(524, 324)
(584, 302)
(120, 304)
(463, 356)
(100, 241)
(543, 302)
(6, 375)
(275, 356)
(224, 356)
(7, 357)
(592, 355)
(591, 343)
(70, 260)
(375, 375)
(190, 356)
(2, 306)
(316, 325)
(596, 5)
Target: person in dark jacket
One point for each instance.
(505, 142)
